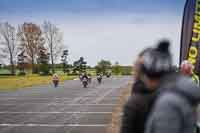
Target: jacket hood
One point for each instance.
(187, 86)
(183, 85)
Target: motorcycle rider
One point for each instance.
(85, 79)
(55, 79)
(99, 78)
(85, 76)
(108, 74)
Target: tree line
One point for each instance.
(31, 44)
(39, 47)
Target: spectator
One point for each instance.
(138, 105)
(188, 70)
(176, 96)
(138, 85)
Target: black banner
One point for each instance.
(190, 36)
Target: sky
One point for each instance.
(115, 30)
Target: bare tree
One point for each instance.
(8, 44)
(54, 41)
(31, 41)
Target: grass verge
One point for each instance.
(18, 82)
(114, 126)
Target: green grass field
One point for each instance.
(4, 71)
(18, 82)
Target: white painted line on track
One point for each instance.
(49, 104)
(6, 112)
(66, 98)
(83, 104)
(53, 125)
(104, 95)
(41, 98)
(84, 96)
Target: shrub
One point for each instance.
(44, 69)
(21, 74)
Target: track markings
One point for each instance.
(49, 104)
(40, 98)
(104, 95)
(53, 125)
(7, 112)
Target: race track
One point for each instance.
(70, 108)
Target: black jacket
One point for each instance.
(139, 88)
(136, 109)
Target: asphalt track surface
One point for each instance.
(69, 108)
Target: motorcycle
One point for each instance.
(84, 82)
(99, 79)
(55, 82)
(108, 75)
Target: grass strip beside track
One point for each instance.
(18, 82)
